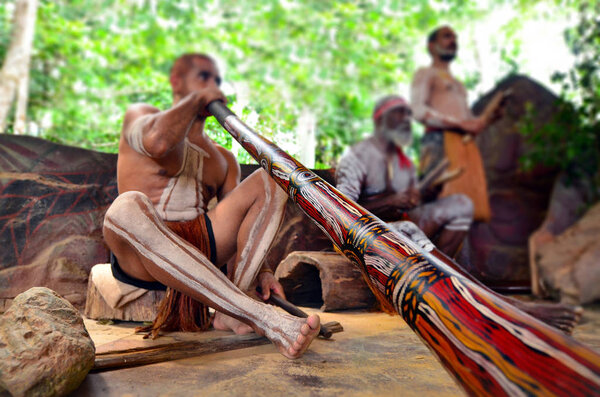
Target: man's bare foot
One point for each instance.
(298, 341)
(559, 315)
(223, 322)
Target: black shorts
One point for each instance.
(120, 275)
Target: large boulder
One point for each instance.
(52, 204)
(518, 199)
(45, 349)
(568, 265)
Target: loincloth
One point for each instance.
(461, 154)
(178, 312)
(199, 233)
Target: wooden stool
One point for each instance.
(142, 308)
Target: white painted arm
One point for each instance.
(134, 135)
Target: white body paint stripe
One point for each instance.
(182, 198)
(526, 336)
(135, 136)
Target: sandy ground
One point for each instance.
(376, 354)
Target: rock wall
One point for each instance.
(519, 200)
(52, 204)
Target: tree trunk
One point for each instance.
(14, 76)
(306, 133)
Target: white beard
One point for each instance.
(401, 136)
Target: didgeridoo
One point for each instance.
(489, 346)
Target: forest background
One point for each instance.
(303, 73)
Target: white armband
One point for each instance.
(135, 136)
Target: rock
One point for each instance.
(52, 204)
(569, 266)
(519, 200)
(569, 199)
(45, 349)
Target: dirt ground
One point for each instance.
(377, 354)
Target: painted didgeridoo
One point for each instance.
(489, 346)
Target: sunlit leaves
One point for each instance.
(94, 57)
(571, 141)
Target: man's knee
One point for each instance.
(272, 191)
(464, 206)
(456, 205)
(125, 207)
(413, 232)
(459, 212)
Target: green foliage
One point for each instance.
(92, 58)
(571, 140)
(5, 25)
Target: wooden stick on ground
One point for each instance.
(174, 351)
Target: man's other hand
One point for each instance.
(473, 126)
(268, 283)
(407, 200)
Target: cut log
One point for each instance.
(143, 308)
(326, 280)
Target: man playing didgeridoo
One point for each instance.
(161, 233)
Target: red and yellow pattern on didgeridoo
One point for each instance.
(489, 346)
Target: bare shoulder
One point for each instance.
(137, 110)
(136, 116)
(423, 74)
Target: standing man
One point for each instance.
(439, 101)
(379, 176)
(161, 233)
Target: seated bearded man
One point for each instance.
(379, 176)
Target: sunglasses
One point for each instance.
(206, 75)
